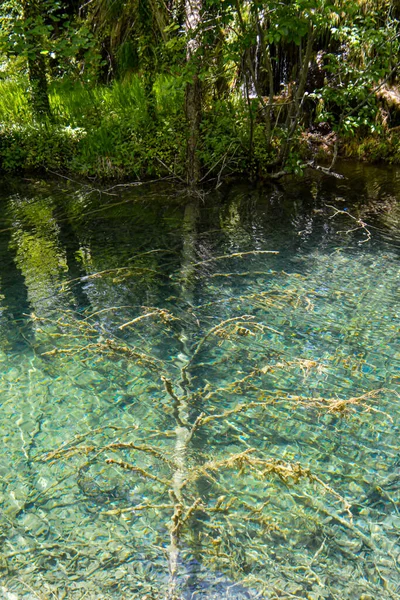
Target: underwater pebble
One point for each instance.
(86, 378)
(8, 595)
(356, 489)
(33, 524)
(392, 522)
(42, 483)
(11, 375)
(119, 573)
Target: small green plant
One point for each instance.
(38, 146)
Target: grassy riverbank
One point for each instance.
(112, 132)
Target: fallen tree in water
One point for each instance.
(200, 460)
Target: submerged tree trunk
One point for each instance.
(32, 12)
(193, 90)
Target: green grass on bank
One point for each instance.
(77, 105)
(94, 131)
(112, 132)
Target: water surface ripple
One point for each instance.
(199, 396)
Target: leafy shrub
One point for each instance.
(37, 146)
(385, 148)
(122, 150)
(223, 139)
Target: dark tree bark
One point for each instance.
(193, 104)
(32, 11)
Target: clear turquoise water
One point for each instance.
(290, 338)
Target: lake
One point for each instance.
(199, 394)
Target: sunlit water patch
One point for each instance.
(199, 397)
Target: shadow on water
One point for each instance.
(70, 244)
(16, 328)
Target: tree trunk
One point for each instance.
(36, 60)
(251, 73)
(267, 64)
(193, 90)
(294, 113)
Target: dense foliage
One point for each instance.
(197, 89)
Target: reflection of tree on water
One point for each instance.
(38, 253)
(14, 303)
(119, 265)
(70, 244)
